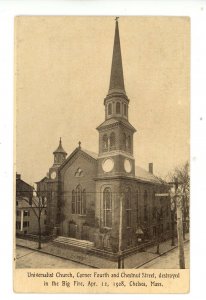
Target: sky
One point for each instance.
(62, 72)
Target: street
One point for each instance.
(169, 260)
(27, 258)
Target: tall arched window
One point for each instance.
(105, 142)
(145, 206)
(107, 207)
(128, 207)
(109, 108)
(112, 140)
(118, 107)
(129, 142)
(78, 199)
(73, 203)
(84, 202)
(124, 141)
(125, 110)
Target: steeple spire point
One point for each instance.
(116, 78)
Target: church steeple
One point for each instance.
(116, 101)
(117, 77)
(59, 154)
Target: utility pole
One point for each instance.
(178, 197)
(120, 258)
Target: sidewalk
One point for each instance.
(137, 260)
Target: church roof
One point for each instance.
(116, 78)
(144, 175)
(90, 153)
(60, 148)
(113, 121)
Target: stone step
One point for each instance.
(74, 242)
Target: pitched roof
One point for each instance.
(144, 175)
(90, 153)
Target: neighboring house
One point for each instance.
(105, 198)
(26, 220)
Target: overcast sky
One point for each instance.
(62, 76)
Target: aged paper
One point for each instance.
(102, 149)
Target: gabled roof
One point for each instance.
(81, 150)
(43, 179)
(144, 175)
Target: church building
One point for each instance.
(105, 198)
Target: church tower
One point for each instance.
(116, 133)
(59, 157)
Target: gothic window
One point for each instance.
(105, 142)
(107, 207)
(118, 107)
(125, 110)
(112, 140)
(79, 172)
(124, 141)
(145, 206)
(129, 143)
(84, 202)
(73, 202)
(128, 207)
(79, 201)
(109, 108)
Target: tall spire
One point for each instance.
(116, 78)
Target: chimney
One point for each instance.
(18, 176)
(151, 168)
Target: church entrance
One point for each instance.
(72, 230)
(85, 232)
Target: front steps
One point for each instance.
(67, 241)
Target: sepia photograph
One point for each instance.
(102, 170)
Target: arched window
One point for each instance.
(112, 140)
(129, 142)
(124, 141)
(105, 142)
(125, 110)
(109, 108)
(73, 203)
(118, 107)
(107, 208)
(84, 202)
(128, 207)
(145, 206)
(78, 199)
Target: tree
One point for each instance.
(182, 175)
(38, 203)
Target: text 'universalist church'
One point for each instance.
(103, 200)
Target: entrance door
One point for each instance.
(85, 232)
(72, 230)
